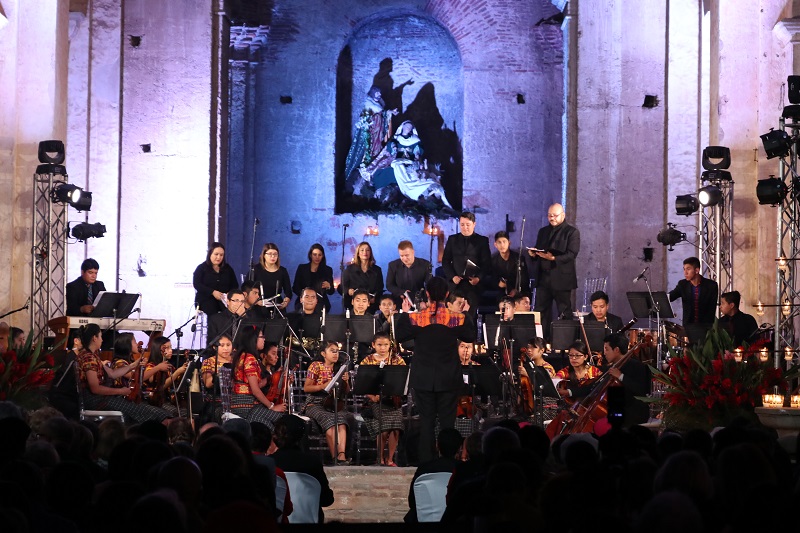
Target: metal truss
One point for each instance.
(788, 251)
(716, 238)
(49, 258)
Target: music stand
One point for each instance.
(362, 328)
(491, 323)
(387, 381)
(335, 328)
(642, 304)
(595, 332)
(563, 333)
(484, 379)
(114, 304)
(274, 330)
(522, 334)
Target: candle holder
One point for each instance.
(794, 401)
(773, 401)
(737, 355)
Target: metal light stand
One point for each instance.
(49, 237)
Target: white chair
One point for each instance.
(305, 491)
(280, 497)
(92, 415)
(430, 492)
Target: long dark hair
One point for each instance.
(211, 248)
(156, 356)
(87, 333)
(318, 246)
(246, 342)
(122, 346)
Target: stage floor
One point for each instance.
(368, 493)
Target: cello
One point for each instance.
(582, 415)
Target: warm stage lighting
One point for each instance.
(73, 195)
(709, 196)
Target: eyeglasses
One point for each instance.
(576, 355)
(237, 301)
(271, 254)
(554, 215)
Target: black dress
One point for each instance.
(274, 283)
(206, 280)
(371, 281)
(304, 277)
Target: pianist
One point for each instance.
(82, 291)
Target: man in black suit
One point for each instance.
(740, 326)
(81, 292)
(466, 260)
(600, 312)
(698, 294)
(436, 370)
(226, 321)
(408, 274)
(634, 377)
(557, 246)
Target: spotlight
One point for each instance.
(716, 175)
(670, 236)
(709, 196)
(777, 143)
(84, 231)
(771, 191)
(51, 152)
(73, 195)
(686, 204)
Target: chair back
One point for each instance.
(225, 387)
(590, 286)
(87, 414)
(305, 491)
(430, 492)
(280, 496)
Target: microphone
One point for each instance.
(257, 221)
(196, 313)
(640, 276)
(261, 294)
(383, 363)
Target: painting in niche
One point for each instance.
(400, 161)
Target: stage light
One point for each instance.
(760, 308)
(771, 191)
(84, 231)
(777, 143)
(51, 152)
(686, 204)
(670, 236)
(73, 195)
(709, 196)
(721, 156)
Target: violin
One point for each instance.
(344, 385)
(136, 384)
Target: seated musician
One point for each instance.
(576, 373)
(360, 302)
(506, 309)
(464, 411)
(522, 302)
(600, 313)
(457, 302)
(82, 291)
(93, 373)
(386, 308)
(308, 321)
(126, 349)
(319, 374)
(268, 361)
(739, 325)
(163, 377)
(247, 399)
(634, 376)
(533, 356)
(254, 311)
(208, 372)
(386, 422)
(226, 320)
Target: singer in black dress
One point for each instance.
(364, 274)
(317, 275)
(212, 279)
(273, 278)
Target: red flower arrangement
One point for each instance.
(25, 375)
(708, 387)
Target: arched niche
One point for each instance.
(387, 50)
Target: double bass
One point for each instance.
(582, 415)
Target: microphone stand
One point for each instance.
(661, 334)
(292, 332)
(518, 286)
(341, 263)
(27, 304)
(333, 385)
(251, 271)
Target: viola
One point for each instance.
(340, 396)
(136, 384)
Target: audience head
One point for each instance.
(289, 431)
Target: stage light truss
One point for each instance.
(716, 237)
(49, 261)
(788, 245)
